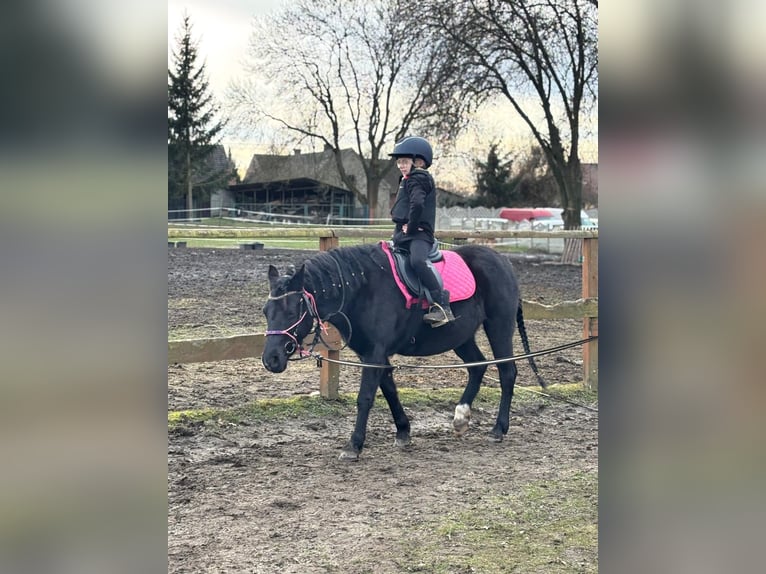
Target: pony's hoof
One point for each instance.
(348, 456)
(402, 442)
(460, 429)
(462, 418)
(495, 437)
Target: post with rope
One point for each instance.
(329, 374)
(590, 324)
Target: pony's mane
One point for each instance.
(326, 270)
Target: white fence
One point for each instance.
(488, 219)
(469, 219)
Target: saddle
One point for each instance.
(454, 275)
(407, 273)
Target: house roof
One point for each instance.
(218, 160)
(319, 166)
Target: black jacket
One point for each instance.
(415, 204)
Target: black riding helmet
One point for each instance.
(414, 146)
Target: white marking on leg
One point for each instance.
(462, 417)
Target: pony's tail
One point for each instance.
(525, 342)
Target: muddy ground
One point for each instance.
(267, 493)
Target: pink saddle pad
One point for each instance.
(456, 275)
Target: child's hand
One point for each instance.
(404, 228)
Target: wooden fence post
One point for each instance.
(329, 374)
(590, 324)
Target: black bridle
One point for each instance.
(318, 326)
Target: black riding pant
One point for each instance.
(419, 250)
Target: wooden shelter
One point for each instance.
(304, 184)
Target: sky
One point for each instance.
(222, 31)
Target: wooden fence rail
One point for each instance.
(251, 345)
(361, 232)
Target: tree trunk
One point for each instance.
(373, 185)
(572, 203)
(188, 177)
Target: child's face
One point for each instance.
(404, 164)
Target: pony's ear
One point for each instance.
(273, 273)
(296, 281)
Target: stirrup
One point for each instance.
(437, 321)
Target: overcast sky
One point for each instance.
(221, 29)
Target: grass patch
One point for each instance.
(489, 397)
(178, 418)
(234, 243)
(546, 527)
(509, 248)
(316, 406)
(576, 392)
(308, 244)
(261, 409)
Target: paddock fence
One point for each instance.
(251, 345)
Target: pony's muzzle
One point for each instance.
(274, 357)
(275, 360)
(273, 363)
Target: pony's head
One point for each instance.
(288, 318)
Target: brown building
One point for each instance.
(307, 185)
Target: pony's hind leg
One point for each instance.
(507, 382)
(469, 352)
(388, 388)
(499, 334)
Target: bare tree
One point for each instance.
(352, 73)
(542, 56)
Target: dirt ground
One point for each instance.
(268, 494)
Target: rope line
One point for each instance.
(319, 358)
(542, 394)
(558, 398)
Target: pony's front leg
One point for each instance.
(364, 401)
(400, 417)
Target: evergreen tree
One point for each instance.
(520, 181)
(193, 126)
(492, 180)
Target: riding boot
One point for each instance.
(440, 313)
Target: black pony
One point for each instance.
(353, 289)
